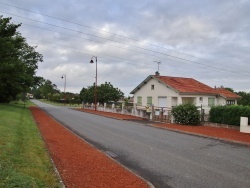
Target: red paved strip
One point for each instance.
(216, 132)
(79, 164)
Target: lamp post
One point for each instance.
(64, 76)
(91, 61)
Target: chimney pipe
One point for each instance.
(157, 73)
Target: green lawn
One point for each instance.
(24, 160)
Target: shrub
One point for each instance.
(229, 114)
(216, 114)
(186, 114)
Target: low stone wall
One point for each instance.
(221, 125)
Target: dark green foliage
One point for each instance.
(186, 114)
(229, 114)
(87, 94)
(18, 61)
(216, 114)
(105, 93)
(245, 98)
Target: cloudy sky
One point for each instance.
(206, 40)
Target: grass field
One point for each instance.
(24, 160)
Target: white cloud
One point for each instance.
(216, 31)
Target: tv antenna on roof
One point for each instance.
(158, 62)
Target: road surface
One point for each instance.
(165, 158)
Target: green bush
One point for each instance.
(229, 114)
(186, 114)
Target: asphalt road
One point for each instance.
(165, 158)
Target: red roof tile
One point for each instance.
(227, 94)
(186, 85)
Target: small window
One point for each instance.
(139, 99)
(230, 102)
(149, 101)
(211, 102)
(152, 87)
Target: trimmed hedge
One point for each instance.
(186, 114)
(229, 114)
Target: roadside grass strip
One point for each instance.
(24, 160)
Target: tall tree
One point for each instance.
(87, 94)
(48, 89)
(106, 93)
(245, 98)
(18, 61)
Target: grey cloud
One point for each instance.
(216, 31)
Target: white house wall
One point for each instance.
(203, 101)
(160, 90)
(221, 101)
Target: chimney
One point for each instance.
(157, 73)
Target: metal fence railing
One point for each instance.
(155, 113)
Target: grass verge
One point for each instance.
(24, 161)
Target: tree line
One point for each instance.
(106, 92)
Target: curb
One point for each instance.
(201, 135)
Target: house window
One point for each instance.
(149, 101)
(152, 87)
(139, 99)
(230, 102)
(188, 100)
(211, 102)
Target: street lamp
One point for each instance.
(64, 76)
(91, 61)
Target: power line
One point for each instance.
(102, 53)
(97, 37)
(89, 27)
(179, 58)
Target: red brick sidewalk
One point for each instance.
(79, 164)
(214, 132)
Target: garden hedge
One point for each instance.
(229, 114)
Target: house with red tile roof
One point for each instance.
(166, 92)
(226, 97)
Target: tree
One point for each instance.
(229, 89)
(245, 98)
(87, 94)
(105, 92)
(18, 61)
(48, 89)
